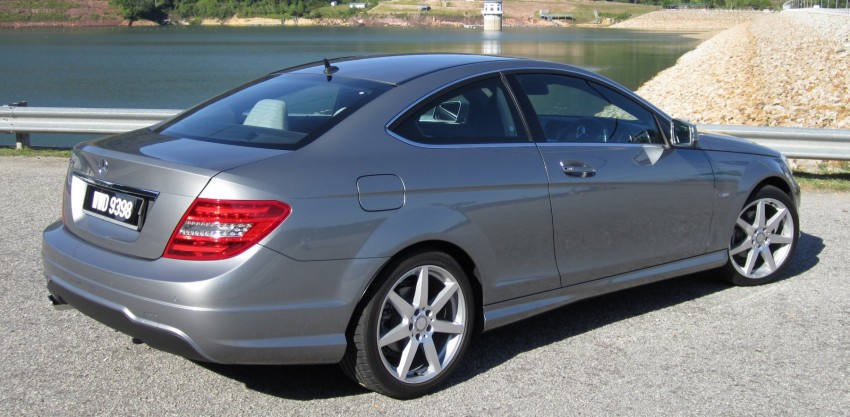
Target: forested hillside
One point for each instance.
(83, 12)
(186, 9)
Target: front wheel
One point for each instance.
(764, 238)
(414, 329)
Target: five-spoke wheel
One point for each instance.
(414, 329)
(764, 238)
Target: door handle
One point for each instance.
(577, 169)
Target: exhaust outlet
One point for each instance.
(58, 303)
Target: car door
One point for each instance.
(622, 198)
(477, 172)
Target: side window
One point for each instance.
(575, 110)
(477, 113)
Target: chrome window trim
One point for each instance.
(601, 144)
(459, 145)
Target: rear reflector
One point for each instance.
(221, 229)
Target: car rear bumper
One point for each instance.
(260, 307)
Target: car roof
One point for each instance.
(395, 69)
(401, 68)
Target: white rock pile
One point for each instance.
(689, 20)
(780, 69)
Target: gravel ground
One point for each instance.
(780, 69)
(689, 346)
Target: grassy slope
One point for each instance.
(94, 10)
(582, 11)
(826, 175)
(71, 11)
(35, 10)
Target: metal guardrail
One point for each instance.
(15, 119)
(793, 142)
(22, 120)
(797, 143)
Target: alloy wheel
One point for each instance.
(421, 324)
(763, 238)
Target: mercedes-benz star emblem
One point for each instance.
(102, 168)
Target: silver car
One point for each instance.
(379, 212)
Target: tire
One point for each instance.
(764, 239)
(407, 341)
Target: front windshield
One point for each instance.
(282, 111)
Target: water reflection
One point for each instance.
(176, 67)
(491, 43)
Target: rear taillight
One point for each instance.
(220, 229)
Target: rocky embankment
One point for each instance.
(689, 20)
(779, 69)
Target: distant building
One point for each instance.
(357, 5)
(492, 14)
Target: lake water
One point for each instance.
(176, 67)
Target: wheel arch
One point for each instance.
(738, 177)
(783, 185)
(774, 181)
(456, 252)
(762, 172)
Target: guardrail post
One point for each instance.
(22, 140)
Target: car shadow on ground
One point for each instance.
(294, 382)
(806, 257)
(311, 382)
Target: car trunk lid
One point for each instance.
(127, 193)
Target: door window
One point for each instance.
(571, 109)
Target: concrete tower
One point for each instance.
(492, 14)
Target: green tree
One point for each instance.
(143, 9)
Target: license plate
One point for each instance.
(116, 207)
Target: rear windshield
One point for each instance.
(282, 111)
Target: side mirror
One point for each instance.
(683, 134)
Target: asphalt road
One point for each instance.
(689, 346)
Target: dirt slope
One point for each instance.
(23, 13)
